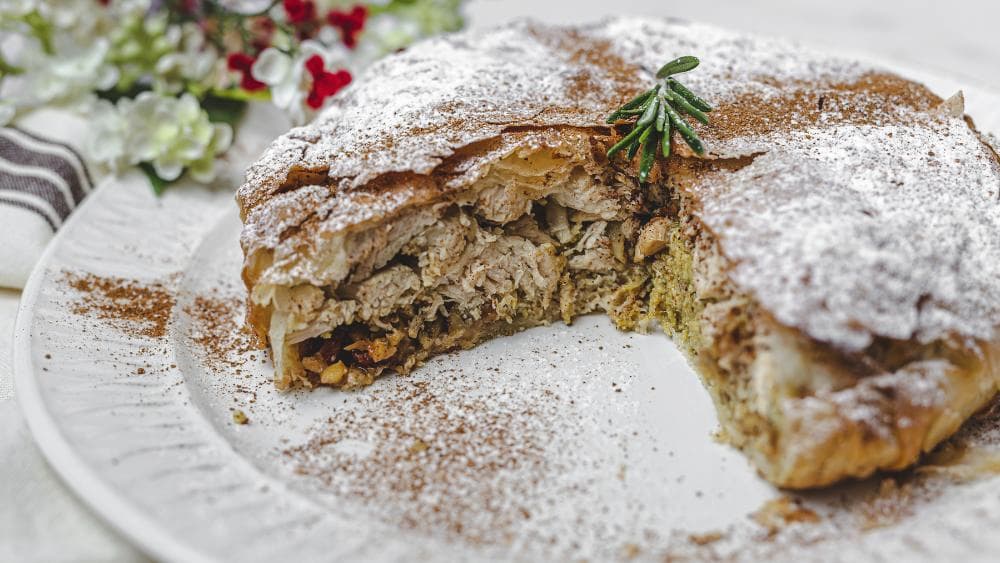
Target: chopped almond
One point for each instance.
(653, 238)
(333, 374)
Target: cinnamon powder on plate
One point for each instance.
(467, 469)
(142, 309)
(218, 330)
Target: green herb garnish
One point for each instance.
(659, 113)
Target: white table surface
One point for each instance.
(41, 521)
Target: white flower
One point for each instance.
(193, 61)
(17, 8)
(81, 19)
(246, 6)
(386, 33)
(287, 77)
(206, 168)
(69, 76)
(405, 22)
(69, 14)
(435, 16)
(138, 42)
(172, 134)
(108, 135)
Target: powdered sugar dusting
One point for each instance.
(852, 231)
(732, 63)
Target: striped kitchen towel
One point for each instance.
(42, 179)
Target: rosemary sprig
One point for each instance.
(659, 112)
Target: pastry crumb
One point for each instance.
(240, 417)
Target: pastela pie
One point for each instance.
(831, 265)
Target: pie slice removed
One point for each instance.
(831, 265)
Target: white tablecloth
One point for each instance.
(41, 521)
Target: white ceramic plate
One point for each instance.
(561, 442)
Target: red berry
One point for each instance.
(325, 83)
(300, 11)
(251, 84)
(350, 23)
(242, 63)
(314, 65)
(239, 61)
(314, 100)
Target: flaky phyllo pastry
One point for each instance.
(831, 265)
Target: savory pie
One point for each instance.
(830, 266)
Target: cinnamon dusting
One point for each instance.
(874, 98)
(141, 309)
(434, 466)
(219, 331)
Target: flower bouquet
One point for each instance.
(164, 81)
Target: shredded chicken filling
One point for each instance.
(542, 236)
(460, 280)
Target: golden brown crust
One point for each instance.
(884, 422)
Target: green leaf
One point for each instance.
(677, 66)
(158, 184)
(634, 147)
(636, 111)
(649, 115)
(639, 100)
(658, 115)
(224, 110)
(631, 105)
(688, 134)
(689, 95)
(666, 138)
(661, 115)
(631, 108)
(626, 141)
(688, 108)
(632, 150)
(648, 157)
